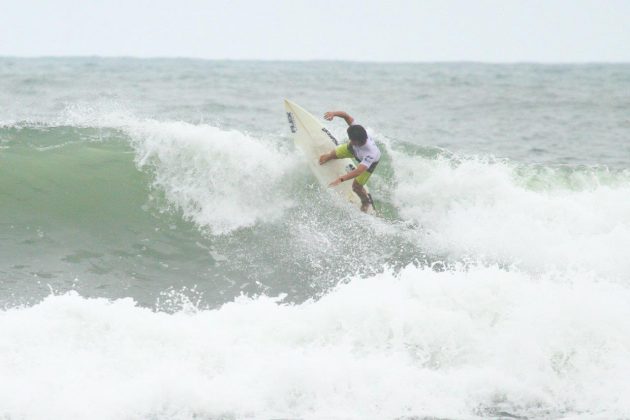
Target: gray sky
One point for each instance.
(362, 30)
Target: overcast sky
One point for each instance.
(358, 30)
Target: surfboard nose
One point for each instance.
(292, 106)
(288, 105)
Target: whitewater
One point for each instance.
(166, 254)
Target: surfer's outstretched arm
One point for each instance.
(332, 114)
(350, 175)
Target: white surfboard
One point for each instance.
(313, 139)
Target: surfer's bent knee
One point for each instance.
(362, 179)
(342, 152)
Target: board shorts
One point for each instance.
(343, 151)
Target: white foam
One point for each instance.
(223, 180)
(486, 210)
(423, 343)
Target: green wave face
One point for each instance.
(93, 209)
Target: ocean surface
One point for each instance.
(165, 253)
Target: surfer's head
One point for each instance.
(357, 135)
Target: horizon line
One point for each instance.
(309, 60)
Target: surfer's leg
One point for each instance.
(326, 157)
(342, 151)
(360, 191)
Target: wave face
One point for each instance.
(166, 254)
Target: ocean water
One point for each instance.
(166, 254)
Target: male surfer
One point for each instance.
(362, 148)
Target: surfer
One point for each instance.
(360, 147)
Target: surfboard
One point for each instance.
(313, 139)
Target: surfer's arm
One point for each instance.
(350, 175)
(332, 114)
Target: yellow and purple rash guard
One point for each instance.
(367, 155)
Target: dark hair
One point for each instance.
(358, 134)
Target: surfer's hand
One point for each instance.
(329, 115)
(335, 182)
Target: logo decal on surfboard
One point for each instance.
(291, 122)
(329, 134)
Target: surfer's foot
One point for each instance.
(365, 207)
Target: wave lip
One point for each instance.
(222, 180)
